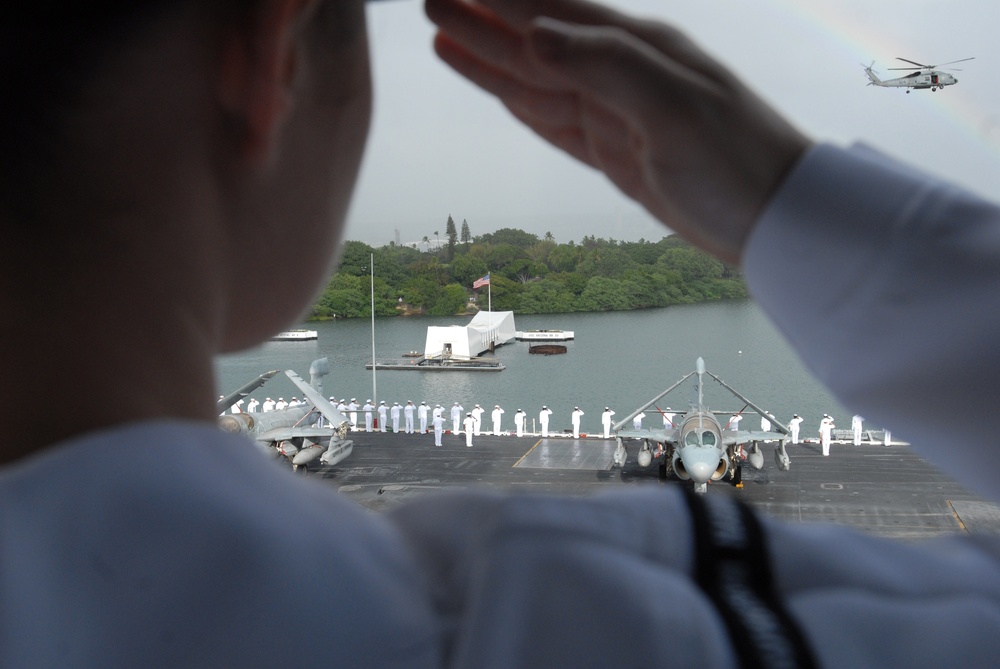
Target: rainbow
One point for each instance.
(860, 41)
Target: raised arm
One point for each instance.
(635, 99)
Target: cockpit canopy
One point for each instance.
(703, 438)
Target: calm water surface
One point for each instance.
(619, 359)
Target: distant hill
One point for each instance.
(528, 275)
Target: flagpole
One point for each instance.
(374, 388)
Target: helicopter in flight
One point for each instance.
(926, 77)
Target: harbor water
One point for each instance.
(618, 359)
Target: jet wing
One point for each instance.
(660, 436)
(321, 403)
(229, 400)
(745, 436)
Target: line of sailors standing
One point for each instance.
(472, 420)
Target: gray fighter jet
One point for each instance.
(302, 433)
(698, 448)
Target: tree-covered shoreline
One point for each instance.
(528, 275)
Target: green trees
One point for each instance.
(452, 234)
(466, 235)
(529, 275)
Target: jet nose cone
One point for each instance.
(700, 466)
(700, 472)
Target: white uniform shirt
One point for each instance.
(172, 555)
(368, 408)
(477, 415)
(497, 415)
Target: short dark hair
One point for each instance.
(49, 50)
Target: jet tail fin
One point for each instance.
(321, 403)
(317, 370)
(225, 402)
(699, 367)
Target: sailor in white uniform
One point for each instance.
(519, 422)
(456, 417)
(470, 427)
(252, 405)
(438, 423)
(668, 418)
(394, 414)
(281, 404)
(793, 427)
(734, 422)
(353, 407)
(497, 415)
(477, 415)
(637, 421)
(543, 420)
(383, 410)
(606, 421)
(368, 410)
(575, 419)
(268, 405)
(408, 416)
(826, 433)
(857, 422)
(422, 412)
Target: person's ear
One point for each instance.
(258, 67)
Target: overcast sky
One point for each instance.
(440, 147)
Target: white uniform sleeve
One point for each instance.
(885, 279)
(530, 581)
(619, 580)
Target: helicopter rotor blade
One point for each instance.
(928, 67)
(962, 60)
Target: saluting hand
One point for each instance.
(633, 98)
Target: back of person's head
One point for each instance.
(166, 143)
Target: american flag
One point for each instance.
(479, 283)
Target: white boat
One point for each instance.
(544, 335)
(296, 335)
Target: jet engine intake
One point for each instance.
(683, 474)
(679, 469)
(237, 423)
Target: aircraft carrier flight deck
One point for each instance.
(884, 490)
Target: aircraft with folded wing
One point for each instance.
(697, 447)
(301, 433)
